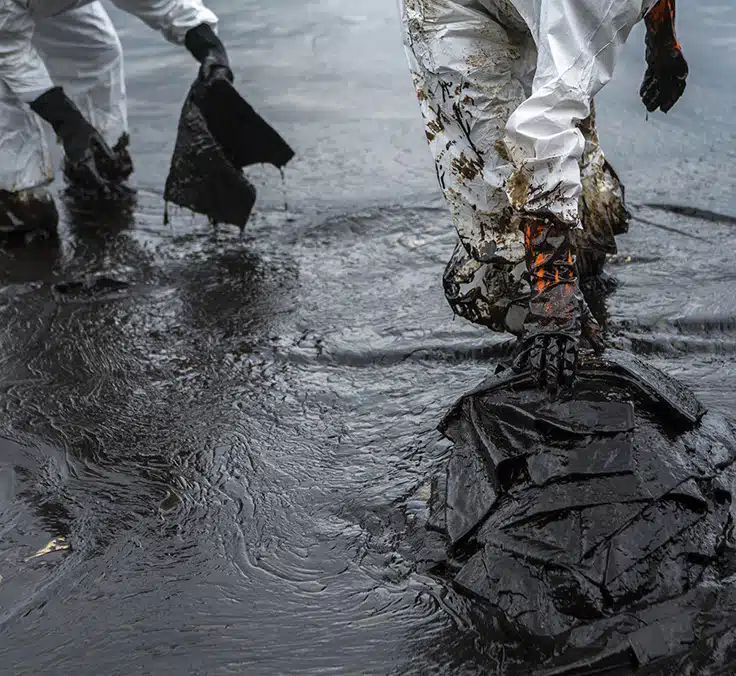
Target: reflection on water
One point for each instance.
(227, 432)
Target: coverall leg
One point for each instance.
(83, 55)
(502, 143)
(25, 161)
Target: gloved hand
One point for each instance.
(558, 316)
(667, 71)
(208, 49)
(89, 158)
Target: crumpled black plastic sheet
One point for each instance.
(219, 134)
(600, 523)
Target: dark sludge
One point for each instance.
(596, 528)
(80, 189)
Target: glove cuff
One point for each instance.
(204, 45)
(59, 111)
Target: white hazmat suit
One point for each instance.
(72, 44)
(506, 90)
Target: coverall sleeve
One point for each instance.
(172, 18)
(21, 68)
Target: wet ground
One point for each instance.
(223, 438)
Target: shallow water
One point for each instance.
(231, 434)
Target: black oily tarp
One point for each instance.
(219, 134)
(599, 524)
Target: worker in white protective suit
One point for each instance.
(506, 90)
(61, 62)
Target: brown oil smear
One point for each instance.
(518, 189)
(466, 167)
(434, 128)
(501, 150)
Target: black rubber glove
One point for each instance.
(558, 316)
(666, 76)
(89, 159)
(208, 49)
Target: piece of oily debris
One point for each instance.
(59, 544)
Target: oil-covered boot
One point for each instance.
(558, 316)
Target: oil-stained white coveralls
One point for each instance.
(506, 90)
(73, 44)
